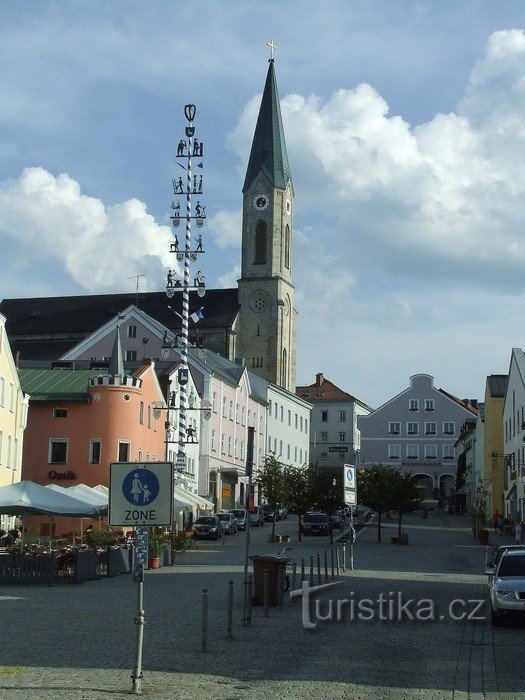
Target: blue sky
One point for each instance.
(405, 124)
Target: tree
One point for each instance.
(298, 491)
(375, 486)
(273, 484)
(405, 495)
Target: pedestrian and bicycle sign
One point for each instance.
(140, 494)
(350, 484)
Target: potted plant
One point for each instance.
(155, 544)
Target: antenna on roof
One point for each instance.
(143, 274)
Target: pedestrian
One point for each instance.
(518, 529)
(495, 518)
(501, 524)
(9, 539)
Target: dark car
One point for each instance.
(337, 520)
(315, 524)
(207, 527)
(269, 512)
(283, 513)
(240, 516)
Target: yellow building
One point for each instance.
(13, 417)
(493, 441)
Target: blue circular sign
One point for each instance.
(349, 475)
(140, 487)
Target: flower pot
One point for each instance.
(153, 562)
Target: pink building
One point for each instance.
(81, 420)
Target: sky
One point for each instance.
(405, 130)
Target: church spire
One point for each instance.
(268, 152)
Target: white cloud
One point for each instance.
(229, 279)
(225, 227)
(48, 226)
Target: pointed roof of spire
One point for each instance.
(116, 362)
(269, 147)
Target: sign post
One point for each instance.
(350, 493)
(140, 496)
(249, 474)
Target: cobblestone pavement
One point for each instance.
(77, 642)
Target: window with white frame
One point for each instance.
(95, 446)
(140, 456)
(394, 452)
(449, 428)
(131, 355)
(296, 420)
(243, 415)
(2, 391)
(430, 451)
(132, 331)
(324, 416)
(8, 454)
(430, 428)
(306, 425)
(275, 446)
(231, 410)
(394, 428)
(288, 451)
(301, 424)
(429, 404)
(11, 397)
(58, 451)
(213, 445)
(223, 442)
(289, 417)
(242, 449)
(280, 448)
(269, 444)
(342, 437)
(224, 406)
(413, 404)
(282, 414)
(1, 446)
(412, 452)
(214, 402)
(412, 428)
(448, 451)
(324, 436)
(236, 448)
(342, 416)
(295, 454)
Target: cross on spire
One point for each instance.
(272, 48)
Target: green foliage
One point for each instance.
(274, 485)
(156, 542)
(101, 538)
(406, 495)
(178, 540)
(380, 487)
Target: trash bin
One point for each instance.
(273, 564)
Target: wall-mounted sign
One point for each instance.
(61, 475)
(337, 448)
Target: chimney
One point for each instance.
(319, 379)
(474, 403)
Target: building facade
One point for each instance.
(492, 485)
(416, 430)
(13, 419)
(513, 417)
(334, 435)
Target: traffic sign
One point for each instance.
(350, 484)
(140, 493)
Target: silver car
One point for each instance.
(228, 522)
(507, 586)
(240, 517)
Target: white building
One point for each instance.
(514, 437)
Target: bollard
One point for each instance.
(280, 587)
(319, 569)
(344, 556)
(266, 593)
(204, 620)
(338, 568)
(249, 601)
(325, 565)
(294, 575)
(311, 571)
(303, 577)
(332, 563)
(229, 628)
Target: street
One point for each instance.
(78, 641)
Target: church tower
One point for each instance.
(266, 325)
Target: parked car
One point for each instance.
(498, 553)
(337, 520)
(240, 516)
(228, 522)
(283, 513)
(269, 512)
(207, 527)
(507, 586)
(315, 524)
(256, 516)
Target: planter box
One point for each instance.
(279, 538)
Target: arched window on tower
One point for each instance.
(284, 369)
(260, 243)
(287, 247)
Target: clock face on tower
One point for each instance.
(258, 302)
(288, 206)
(260, 203)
